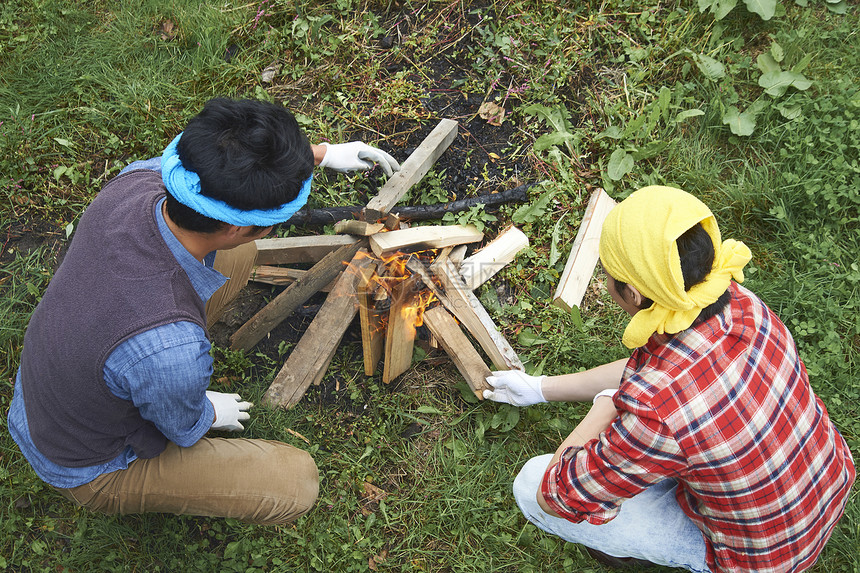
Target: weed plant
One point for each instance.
(757, 113)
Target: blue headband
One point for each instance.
(184, 185)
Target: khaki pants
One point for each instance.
(257, 481)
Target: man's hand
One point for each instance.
(229, 411)
(357, 156)
(515, 388)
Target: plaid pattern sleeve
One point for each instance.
(726, 408)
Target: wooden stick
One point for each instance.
(360, 228)
(457, 255)
(296, 294)
(289, 250)
(480, 267)
(281, 276)
(466, 307)
(429, 237)
(584, 254)
(372, 322)
(309, 360)
(415, 167)
(467, 360)
(400, 334)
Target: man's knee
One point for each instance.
(308, 482)
(296, 484)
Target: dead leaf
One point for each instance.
(494, 114)
(373, 493)
(372, 562)
(166, 28)
(270, 72)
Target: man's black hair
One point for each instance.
(696, 251)
(249, 154)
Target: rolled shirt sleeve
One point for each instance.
(590, 482)
(165, 372)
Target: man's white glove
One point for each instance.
(515, 388)
(357, 156)
(229, 411)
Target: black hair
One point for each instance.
(696, 251)
(249, 154)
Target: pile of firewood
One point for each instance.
(395, 278)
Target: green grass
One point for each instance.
(86, 87)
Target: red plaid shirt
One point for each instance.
(724, 407)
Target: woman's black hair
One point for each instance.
(250, 154)
(696, 251)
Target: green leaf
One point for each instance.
(712, 69)
(687, 114)
(650, 150)
(767, 64)
(612, 132)
(528, 338)
(620, 164)
(776, 83)
(777, 52)
(548, 140)
(801, 65)
(740, 123)
(790, 111)
(840, 7)
(428, 410)
(530, 213)
(64, 142)
(554, 252)
(721, 8)
(764, 8)
(556, 117)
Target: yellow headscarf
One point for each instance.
(637, 246)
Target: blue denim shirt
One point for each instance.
(164, 371)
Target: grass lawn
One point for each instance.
(757, 113)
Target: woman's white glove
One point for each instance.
(609, 392)
(357, 156)
(229, 411)
(515, 387)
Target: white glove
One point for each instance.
(608, 392)
(357, 156)
(229, 411)
(515, 388)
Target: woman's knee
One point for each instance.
(527, 482)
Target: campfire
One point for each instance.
(396, 279)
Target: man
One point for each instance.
(111, 403)
(708, 449)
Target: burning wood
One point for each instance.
(392, 290)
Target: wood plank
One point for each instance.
(483, 265)
(400, 332)
(584, 254)
(447, 333)
(415, 167)
(290, 250)
(310, 358)
(372, 323)
(295, 295)
(429, 237)
(466, 307)
(360, 228)
(457, 255)
(281, 276)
